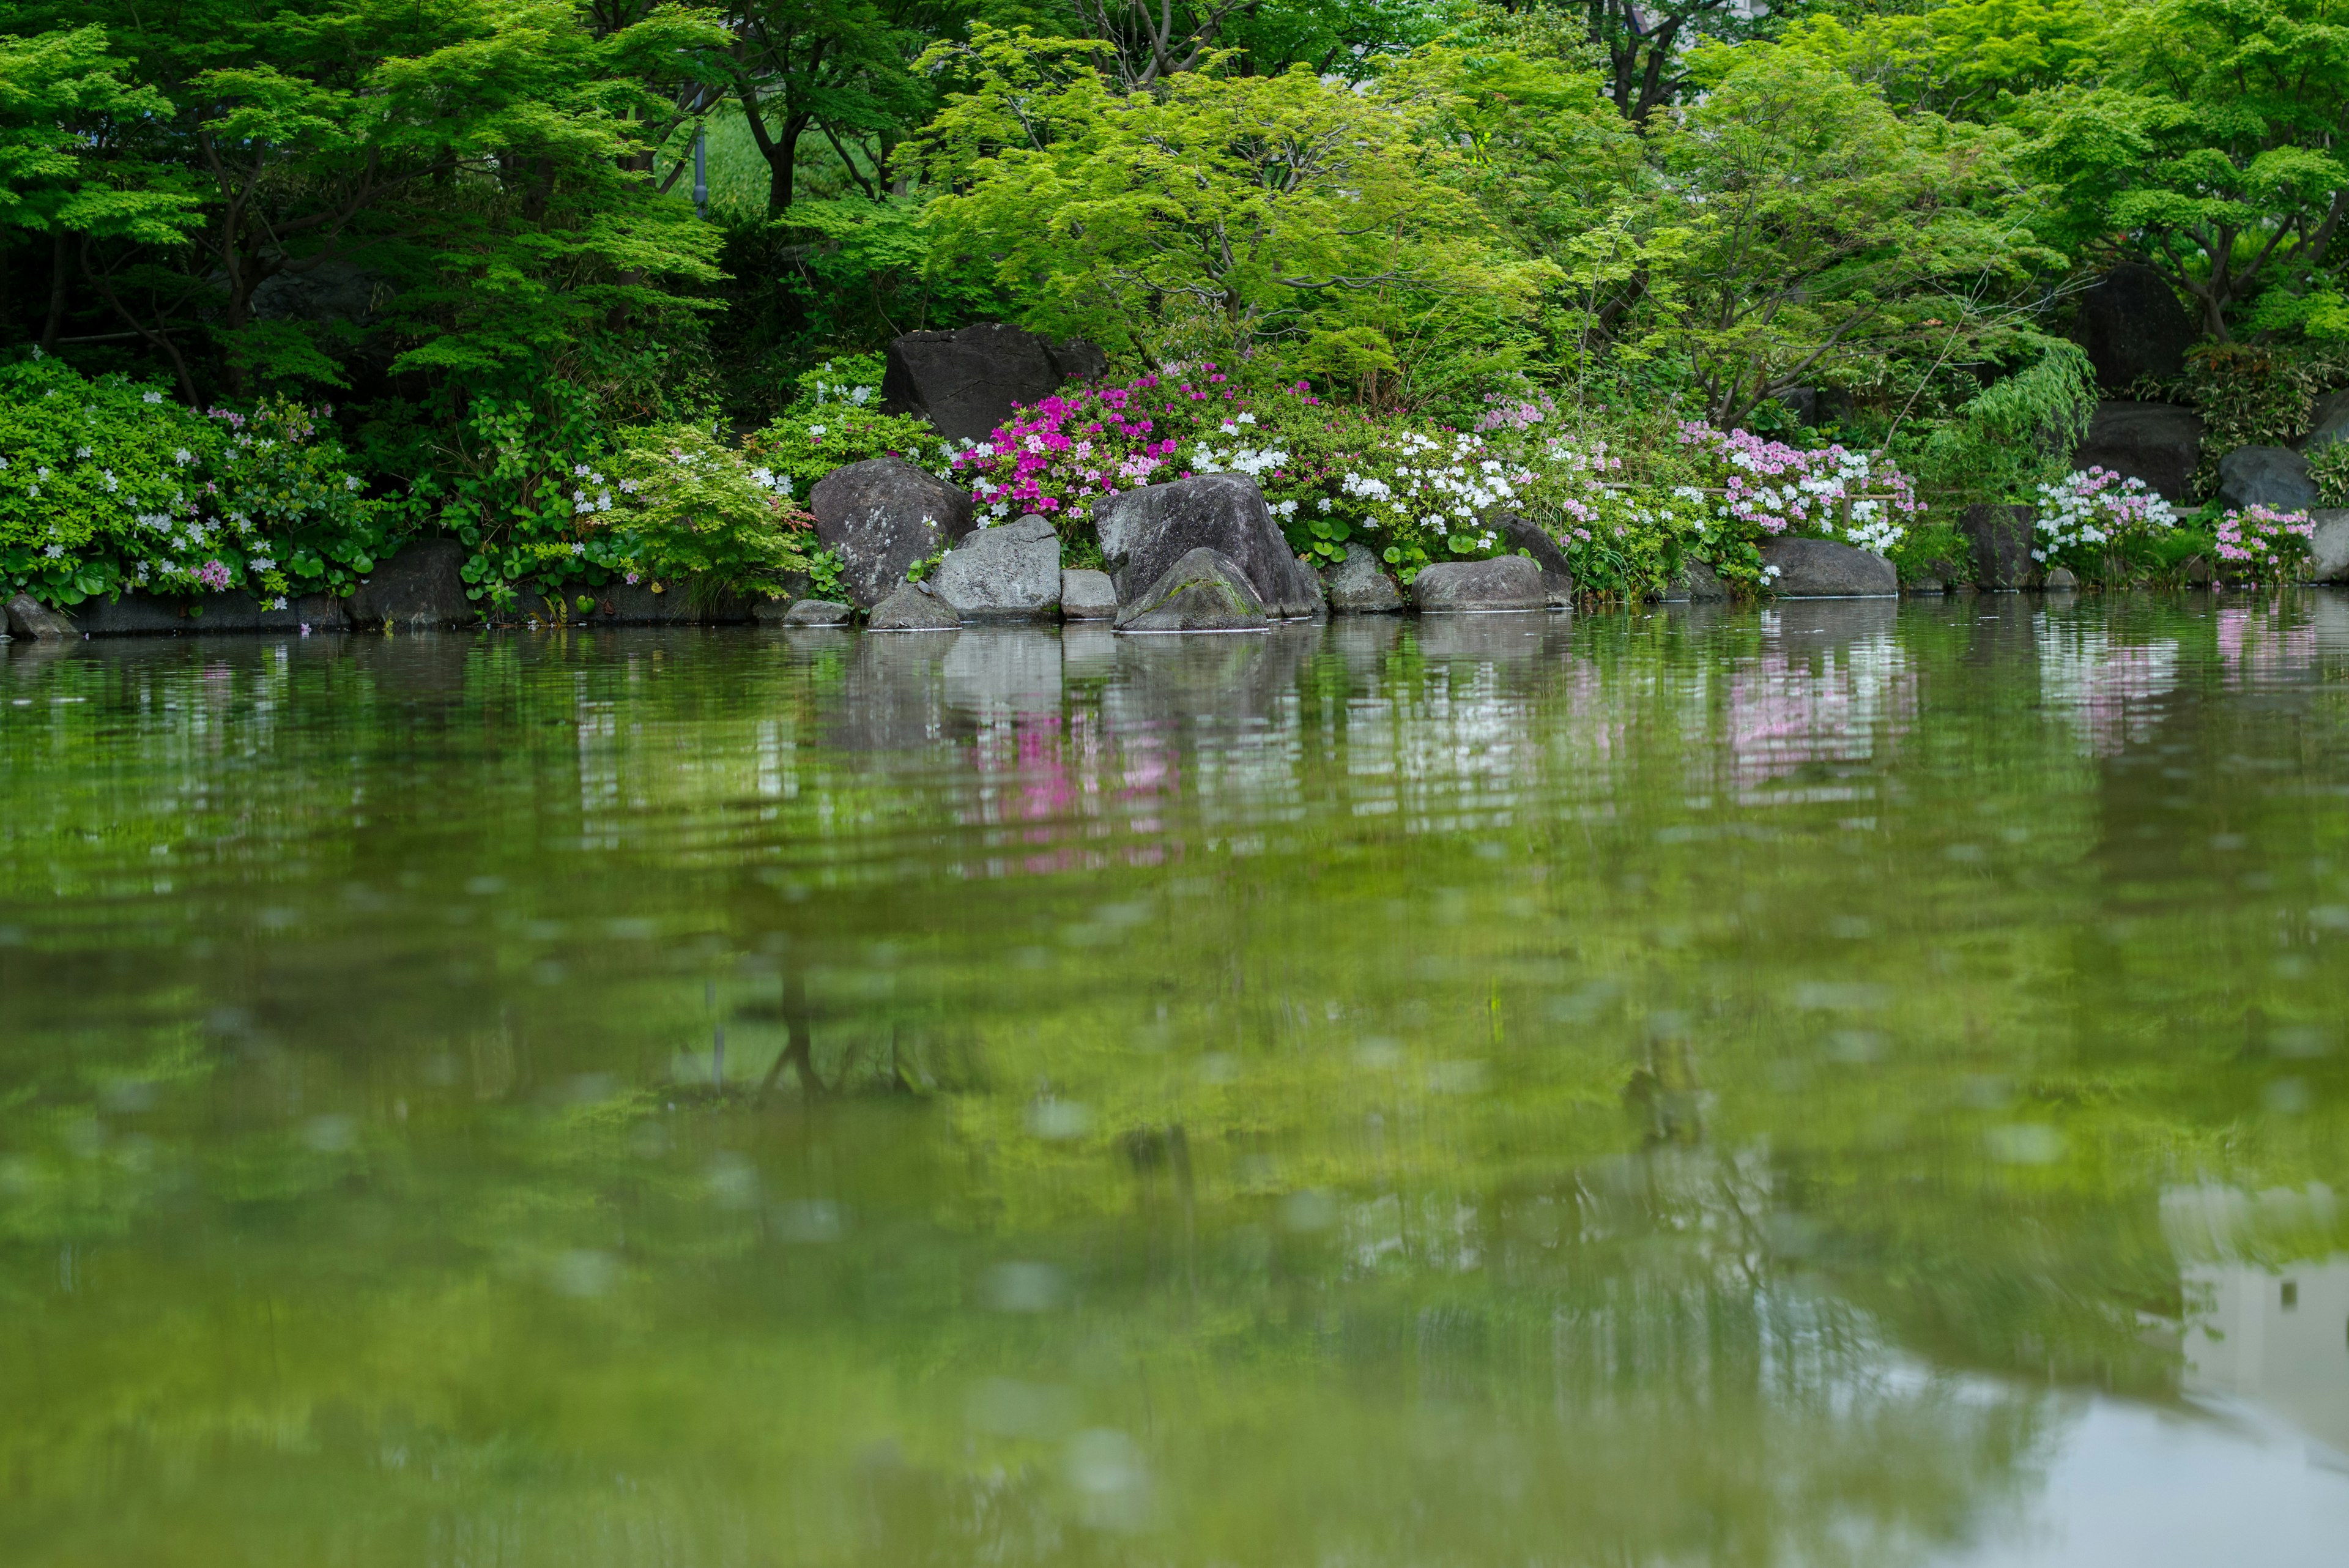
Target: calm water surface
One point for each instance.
(1836, 1085)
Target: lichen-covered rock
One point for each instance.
(1204, 590)
(818, 612)
(28, 617)
(1503, 583)
(966, 383)
(420, 588)
(2328, 549)
(1087, 595)
(2273, 476)
(882, 516)
(2157, 443)
(911, 610)
(1528, 537)
(1007, 573)
(1822, 569)
(1144, 532)
(1359, 585)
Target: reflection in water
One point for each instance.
(1700, 1086)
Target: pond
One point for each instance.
(1840, 1083)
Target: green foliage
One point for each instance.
(692, 508)
(2016, 434)
(107, 485)
(2254, 395)
(2328, 464)
(836, 420)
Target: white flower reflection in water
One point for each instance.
(1803, 704)
(2111, 692)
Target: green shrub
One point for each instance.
(692, 508)
(109, 484)
(836, 420)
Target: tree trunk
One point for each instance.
(55, 325)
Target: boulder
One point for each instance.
(818, 612)
(2001, 538)
(2061, 580)
(2329, 548)
(1087, 595)
(882, 516)
(1359, 585)
(1204, 590)
(2273, 476)
(2157, 443)
(28, 617)
(1823, 569)
(911, 610)
(1010, 572)
(2131, 325)
(138, 614)
(1503, 583)
(2328, 421)
(1527, 537)
(966, 383)
(421, 586)
(1695, 583)
(1144, 532)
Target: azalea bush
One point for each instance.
(2263, 543)
(109, 484)
(2100, 525)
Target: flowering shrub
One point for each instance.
(836, 420)
(692, 508)
(107, 484)
(2263, 544)
(1059, 457)
(1770, 488)
(2087, 521)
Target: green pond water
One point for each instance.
(1840, 1083)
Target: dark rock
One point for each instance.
(1087, 595)
(1503, 583)
(2328, 421)
(422, 586)
(911, 610)
(2273, 476)
(1204, 590)
(1009, 572)
(28, 617)
(328, 292)
(2061, 580)
(818, 612)
(1695, 583)
(2157, 443)
(1926, 587)
(138, 614)
(882, 516)
(966, 383)
(2131, 325)
(1144, 532)
(1359, 585)
(1530, 538)
(2001, 539)
(1822, 569)
(2329, 548)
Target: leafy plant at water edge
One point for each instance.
(2095, 521)
(692, 508)
(2263, 543)
(2328, 464)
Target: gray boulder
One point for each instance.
(137, 613)
(2328, 421)
(1087, 595)
(2001, 538)
(818, 612)
(1530, 538)
(2061, 580)
(1012, 571)
(882, 516)
(422, 586)
(1503, 583)
(28, 617)
(1204, 590)
(2157, 443)
(911, 610)
(1144, 532)
(2329, 548)
(1695, 583)
(2273, 476)
(966, 383)
(1359, 585)
(1822, 569)
(2131, 325)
